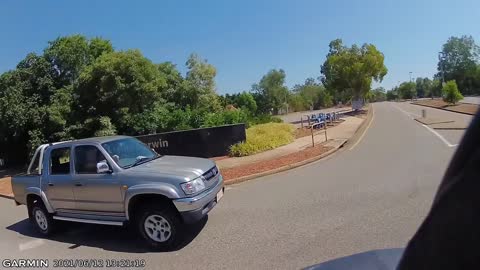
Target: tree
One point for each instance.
(175, 91)
(314, 94)
(297, 103)
(451, 94)
(458, 61)
(378, 94)
(407, 90)
(349, 72)
(423, 87)
(68, 55)
(436, 88)
(200, 84)
(22, 116)
(391, 94)
(271, 91)
(246, 101)
(123, 86)
(98, 46)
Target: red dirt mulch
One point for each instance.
(268, 165)
(219, 158)
(302, 132)
(440, 104)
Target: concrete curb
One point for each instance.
(10, 197)
(442, 108)
(356, 136)
(447, 128)
(360, 128)
(284, 168)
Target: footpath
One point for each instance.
(295, 154)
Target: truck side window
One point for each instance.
(60, 161)
(86, 159)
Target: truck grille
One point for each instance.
(210, 174)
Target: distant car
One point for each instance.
(115, 180)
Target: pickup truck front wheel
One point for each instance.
(41, 219)
(160, 227)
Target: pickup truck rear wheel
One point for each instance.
(42, 220)
(160, 227)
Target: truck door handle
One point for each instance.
(78, 184)
(50, 184)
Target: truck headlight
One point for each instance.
(194, 186)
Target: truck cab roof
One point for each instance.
(89, 140)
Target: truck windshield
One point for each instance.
(129, 152)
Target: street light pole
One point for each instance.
(410, 76)
(441, 56)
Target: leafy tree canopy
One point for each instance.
(351, 70)
(459, 61)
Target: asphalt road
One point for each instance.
(473, 100)
(371, 195)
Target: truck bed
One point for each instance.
(21, 182)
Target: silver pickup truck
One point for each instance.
(114, 181)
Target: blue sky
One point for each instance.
(245, 39)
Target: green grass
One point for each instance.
(264, 137)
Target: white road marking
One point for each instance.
(445, 141)
(31, 244)
(440, 136)
(365, 131)
(407, 113)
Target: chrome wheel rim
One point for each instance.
(41, 220)
(157, 228)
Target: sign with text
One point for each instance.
(357, 104)
(202, 142)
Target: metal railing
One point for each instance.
(321, 120)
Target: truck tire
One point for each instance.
(160, 227)
(41, 219)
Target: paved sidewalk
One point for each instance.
(343, 131)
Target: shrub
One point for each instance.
(264, 137)
(263, 119)
(451, 93)
(225, 118)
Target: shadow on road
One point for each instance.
(380, 259)
(112, 238)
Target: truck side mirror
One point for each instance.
(102, 167)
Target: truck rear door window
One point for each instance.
(60, 161)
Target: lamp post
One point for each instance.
(441, 56)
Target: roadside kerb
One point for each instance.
(344, 142)
(445, 109)
(286, 167)
(363, 126)
(10, 197)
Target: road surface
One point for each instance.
(371, 195)
(473, 100)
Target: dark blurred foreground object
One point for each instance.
(380, 259)
(449, 238)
